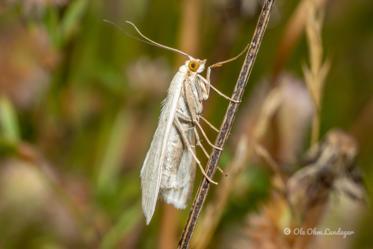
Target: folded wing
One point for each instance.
(151, 171)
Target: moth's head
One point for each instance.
(195, 65)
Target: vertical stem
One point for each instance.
(188, 41)
(227, 122)
(317, 70)
(315, 128)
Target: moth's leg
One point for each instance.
(187, 144)
(200, 144)
(209, 124)
(194, 122)
(184, 117)
(206, 138)
(190, 102)
(205, 151)
(222, 171)
(207, 82)
(219, 64)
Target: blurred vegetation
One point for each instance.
(79, 102)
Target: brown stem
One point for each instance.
(188, 41)
(189, 28)
(227, 122)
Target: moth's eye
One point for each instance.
(193, 66)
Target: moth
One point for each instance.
(169, 166)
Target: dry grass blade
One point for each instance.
(316, 73)
(293, 30)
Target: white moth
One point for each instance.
(169, 166)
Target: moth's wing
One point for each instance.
(187, 169)
(180, 184)
(150, 174)
(151, 171)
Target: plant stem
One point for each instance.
(227, 122)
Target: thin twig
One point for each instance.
(227, 122)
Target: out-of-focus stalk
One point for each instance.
(317, 70)
(188, 42)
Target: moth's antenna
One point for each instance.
(156, 43)
(145, 39)
(220, 63)
(125, 32)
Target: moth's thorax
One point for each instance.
(193, 66)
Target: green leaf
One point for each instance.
(8, 122)
(72, 18)
(51, 21)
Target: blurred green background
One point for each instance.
(80, 99)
